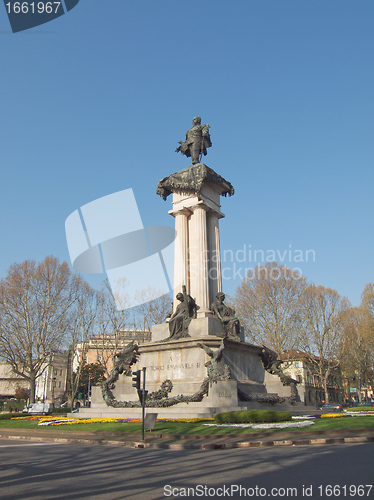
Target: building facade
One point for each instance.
(51, 386)
(10, 381)
(299, 366)
(103, 347)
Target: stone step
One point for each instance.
(192, 410)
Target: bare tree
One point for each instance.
(153, 309)
(35, 306)
(84, 323)
(367, 298)
(358, 352)
(111, 321)
(324, 313)
(268, 303)
(367, 305)
(115, 325)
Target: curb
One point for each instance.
(192, 444)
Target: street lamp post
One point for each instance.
(88, 390)
(45, 383)
(53, 390)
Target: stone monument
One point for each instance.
(197, 363)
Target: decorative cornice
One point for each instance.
(191, 180)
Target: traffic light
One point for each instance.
(136, 379)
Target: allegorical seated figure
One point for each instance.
(179, 321)
(230, 323)
(197, 141)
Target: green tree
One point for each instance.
(91, 374)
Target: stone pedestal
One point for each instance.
(198, 328)
(184, 363)
(197, 259)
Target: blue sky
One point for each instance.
(97, 100)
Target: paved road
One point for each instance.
(64, 471)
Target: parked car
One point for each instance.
(38, 408)
(355, 405)
(330, 407)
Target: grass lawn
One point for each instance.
(195, 428)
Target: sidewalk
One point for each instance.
(198, 442)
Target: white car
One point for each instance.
(39, 408)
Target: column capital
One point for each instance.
(214, 213)
(201, 205)
(180, 211)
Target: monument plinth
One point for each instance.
(196, 209)
(178, 371)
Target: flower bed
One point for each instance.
(33, 417)
(70, 421)
(334, 415)
(61, 420)
(360, 413)
(275, 425)
(185, 420)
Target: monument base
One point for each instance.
(184, 362)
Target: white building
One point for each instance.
(51, 386)
(9, 381)
(299, 366)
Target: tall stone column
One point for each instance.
(198, 248)
(181, 274)
(215, 276)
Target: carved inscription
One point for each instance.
(185, 366)
(224, 394)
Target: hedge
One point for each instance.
(8, 416)
(61, 410)
(252, 416)
(14, 406)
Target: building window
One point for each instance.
(297, 364)
(299, 378)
